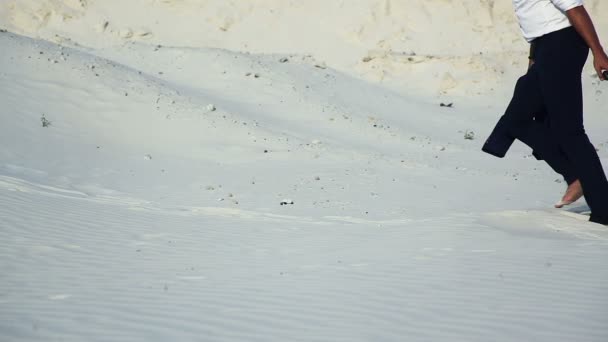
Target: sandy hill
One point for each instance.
(458, 47)
(281, 171)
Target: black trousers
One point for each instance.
(552, 90)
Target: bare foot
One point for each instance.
(573, 193)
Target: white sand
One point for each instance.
(149, 208)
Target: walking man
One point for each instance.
(561, 34)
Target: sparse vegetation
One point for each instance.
(45, 122)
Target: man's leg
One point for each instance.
(519, 122)
(574, 191)
(561, 88)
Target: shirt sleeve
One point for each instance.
(566, 5)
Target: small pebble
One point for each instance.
(287, 202)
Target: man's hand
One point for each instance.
(600, 62)
(581, 21)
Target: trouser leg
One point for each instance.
(520, 121)
(539, 137)
(562, 94)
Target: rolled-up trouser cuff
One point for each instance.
(499, 142)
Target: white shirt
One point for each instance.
(539, 17)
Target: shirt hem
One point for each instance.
(530, 37)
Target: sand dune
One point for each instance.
(281, 171)
(337, 33)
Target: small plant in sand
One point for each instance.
(44, 121)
